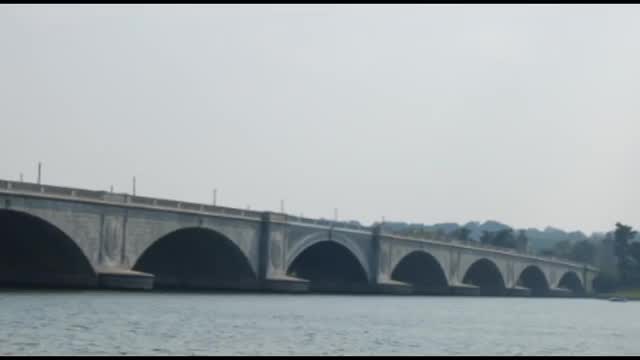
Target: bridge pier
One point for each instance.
(340, 288)
(519, 291)
(286, 285)
(464, 289)
(124, 279)
(209, 284)
(431, 291)
(560, 292)
(395, 287)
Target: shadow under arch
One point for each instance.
(329, 267)
(571, 281)
(36, 253)
(423, 271)
(197, 258)
(534, 279)
(486, 276)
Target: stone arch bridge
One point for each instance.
(58, 236)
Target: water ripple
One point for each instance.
(39, 323)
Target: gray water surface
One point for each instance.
(131, 323)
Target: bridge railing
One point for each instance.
(325, 222)
(123, 198)
(143, 200)
(50, 189)
(30, 187)
(185, 205)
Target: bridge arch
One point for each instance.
(423, 271)
(571, 281)
(35, 252)
(329, 265)
(321, 236)
(197, 258)
(486, 275)
(533, 278)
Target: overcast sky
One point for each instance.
(525, 114)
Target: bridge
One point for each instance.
(58, 236)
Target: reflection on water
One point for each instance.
(163, 323)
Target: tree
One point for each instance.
(562, 249)
(622, 235)
(634, 251)
(522, 241)
(604, 283)
(504, 238)
(486, 237)
(583, 251)
(440, 234)
(427, 234)
(462, 234)
(546, 252)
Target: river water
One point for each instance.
(163, 323)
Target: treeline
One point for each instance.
(461, 234)
(537, 240)
(626, 273)
(581, 251)
(506, 238)
(616, 253)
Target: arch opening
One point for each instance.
(486, 276)
(533, 278)
(423, 272)
(329, 267)
(571, 281)
(197, 258)
(36, 253)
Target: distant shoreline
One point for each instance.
(629, 294)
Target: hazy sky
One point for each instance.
(525, 114)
